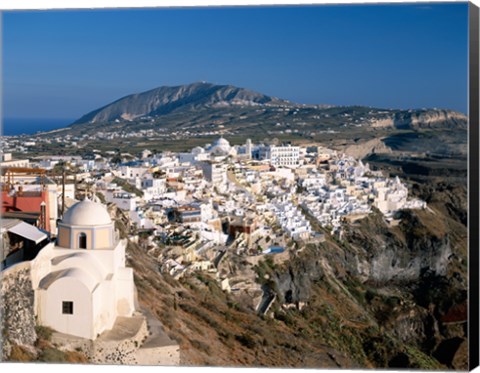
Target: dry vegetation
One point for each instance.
(44, 351)
(334, 330)
(212, 329)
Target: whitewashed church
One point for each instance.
(81, 283)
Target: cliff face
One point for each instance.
(401, 254)
(421, 119)
(372, 253)
(396, 280)
(362, 150)
(394, 263)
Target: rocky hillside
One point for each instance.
(337, 305)
(214, 328)
(384, 296)
(164, 100)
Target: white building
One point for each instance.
(7, 161)
(130, 172)
(393, 196)
(284, 155)
(152, 187)
(123, 200)
(292, 220)
(214, 172)
(248, 148)
(313, 181)
(146, 153)
(186, 158)
(48, 164)
(287, 156)
(81, 283)
(86, 164)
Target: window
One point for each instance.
(82, 241)
(67, 308)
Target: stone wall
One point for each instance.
(162, 356)
(107, 350)
(119, 351)
(17, 316)
(119, 346)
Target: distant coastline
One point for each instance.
(29, 126)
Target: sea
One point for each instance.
(30, 126)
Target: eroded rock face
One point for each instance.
(405, 267)
(383, 256)
(408, 263)
(17, 315)
(363, 149)
(422, 118)
(379, 257)
(410, 327)
(429, 119)
(295, 284)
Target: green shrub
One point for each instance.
(246, 340)
(52, 355)
(369, 295)
(44, 332)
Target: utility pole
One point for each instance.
(75, 185)
(43, 215)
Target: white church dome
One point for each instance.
(221, 142)
(198, 150)
(87, 212)
(221, 147)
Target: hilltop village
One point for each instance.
(254, 199)
(187, 210)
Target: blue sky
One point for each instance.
(63, 64)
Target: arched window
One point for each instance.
(82, 241)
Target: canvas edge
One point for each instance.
(473, 187)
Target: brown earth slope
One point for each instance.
(382, 297)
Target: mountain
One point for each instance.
(165, 100)
(199, 105)
(182, 117)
